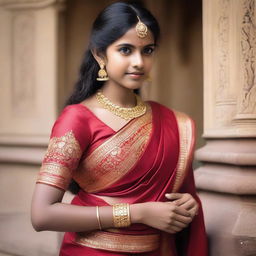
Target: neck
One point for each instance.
(120, 96)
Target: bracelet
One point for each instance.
(98, 217)
(121, 215)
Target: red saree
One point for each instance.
(148, 157)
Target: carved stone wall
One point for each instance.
(227, 177)
(229, 49)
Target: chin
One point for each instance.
(134, 86)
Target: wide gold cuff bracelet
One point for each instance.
(121, 215)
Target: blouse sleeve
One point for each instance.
(69, 138)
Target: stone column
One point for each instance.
(29, 69)
(227, 177)
(30, 80)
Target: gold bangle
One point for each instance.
(121, 215)
(98, 217)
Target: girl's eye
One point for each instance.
(148, 50)
(125, 50)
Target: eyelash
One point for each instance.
(123, 50)
(149, 48)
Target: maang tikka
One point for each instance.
(102, 74)
(141, 29)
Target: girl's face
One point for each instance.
(129, 59)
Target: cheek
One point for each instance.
(148, 65)
(116, 64)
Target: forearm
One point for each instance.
(74, 218)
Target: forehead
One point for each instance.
(131, 37)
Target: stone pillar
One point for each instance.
(31, 76)
(227, 177)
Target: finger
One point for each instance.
(181, 211)
(180, 202)
(183, 219)
(173, 229)
(194, 211)
(173, 196)
(179, 224)
(189, 204)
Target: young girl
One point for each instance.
(131, 159)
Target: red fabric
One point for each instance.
(149, 180)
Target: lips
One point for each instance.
(135, 73)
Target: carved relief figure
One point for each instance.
(248, 50)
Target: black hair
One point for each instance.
(111, 24)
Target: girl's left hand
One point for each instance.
(186, 201)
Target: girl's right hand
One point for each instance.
(165, 216)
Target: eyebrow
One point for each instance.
(132, 46)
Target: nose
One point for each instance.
(137, 61)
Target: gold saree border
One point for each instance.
(186, 135)
(119, 242)
(115, 157)
(54, 174)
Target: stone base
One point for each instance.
(230, 223)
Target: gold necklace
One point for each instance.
(125, 113)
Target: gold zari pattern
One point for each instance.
(65, 149)
(60, 160)
(116, 156)
(54, 174)
(121, 215)
(185, 127)
(119, 242)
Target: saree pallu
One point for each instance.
(147, 158)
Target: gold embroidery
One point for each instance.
(115, 157)
(64, 149)
(186, 147)
(60, 160)
(119, 242)
(54, 174)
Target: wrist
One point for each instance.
(136, 212)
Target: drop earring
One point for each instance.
(149, 79)
(102, 74)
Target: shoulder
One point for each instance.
(72, 119)
(161, 108)
(183, 117)
(72, 115)
(165, 111)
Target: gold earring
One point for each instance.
(149, 79)
(102, 74)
